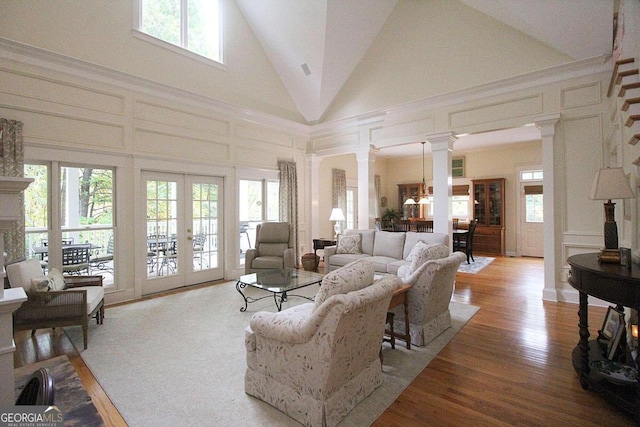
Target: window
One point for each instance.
(259, 201)
(85, 216)
(531, 175)
(191, 24)
(352, 208)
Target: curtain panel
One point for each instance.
(339, 192)
(12, 164)
(289, 200)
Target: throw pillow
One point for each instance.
(424, 252)
(41, 284)
(56, 280)
(349, 244)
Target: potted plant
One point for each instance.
(389, 216)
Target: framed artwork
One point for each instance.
(611, 323)
(457, 167)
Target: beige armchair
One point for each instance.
(78, 299)
(432, 284)
(317, 361)
(274, 248)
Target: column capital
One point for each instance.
(547, 124)
(365, 152)
(441, 141)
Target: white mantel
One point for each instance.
(10, 299)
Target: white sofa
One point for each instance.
(386, 250)
(317, 361)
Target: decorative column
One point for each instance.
(366, 186)
(547, 126)
(442, 149)
(10, 299)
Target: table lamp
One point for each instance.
(337, 216)
(609, 184)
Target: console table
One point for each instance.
(618, 285)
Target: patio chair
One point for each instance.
(75, 259)
(73, 300)
(104, 261)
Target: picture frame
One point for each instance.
(625, 257)
(614, 342)
(611, 323)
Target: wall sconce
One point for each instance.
(336, 215)
(610, 184)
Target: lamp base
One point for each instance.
(609, 256)
(336, 230)
(610, 235)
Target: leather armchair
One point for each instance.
(81, 299)
(317, 361)
(274, 248)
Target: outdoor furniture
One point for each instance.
(274, 248)
(199, 241)
(317, 361)
(104, 261)
(75, 259)
(72, 302)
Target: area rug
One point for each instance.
(70, 396)
(180, 360)
(475, 266)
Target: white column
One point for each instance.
(442, 149)
(13, 299)
(547, 126)
(313, 166)
(366, 158)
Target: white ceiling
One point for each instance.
(330, 37)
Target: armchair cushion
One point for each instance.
(352, 277)
(350, 244)
(41, 285)
(21, 273)
(56, 280)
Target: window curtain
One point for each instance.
(339, 193)
(376, 183)
(289, 200)
(12, 164)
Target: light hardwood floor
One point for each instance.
(510, 365)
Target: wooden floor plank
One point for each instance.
(510, 365)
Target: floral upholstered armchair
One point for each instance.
(431, 275)
(317, 361)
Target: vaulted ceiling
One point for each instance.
(315, 45)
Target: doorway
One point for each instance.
(531, 215)
(183, 230)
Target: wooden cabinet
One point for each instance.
(410, 190)
(488, 209)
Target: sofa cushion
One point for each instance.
(392, 267)
(381, 263)
(388, 244)
(368, 237)
(352, 277)
(349, 244)
(344, 259)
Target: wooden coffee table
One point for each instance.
(399, 297)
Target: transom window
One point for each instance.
(191, 24)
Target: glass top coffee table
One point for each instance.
(278, 282)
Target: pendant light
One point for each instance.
(423, 199)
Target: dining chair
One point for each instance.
(424, 226)
(466, 245)
(75, 259)
(402, 225)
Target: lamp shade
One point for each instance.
(410, 201)
(423, 200)
(336, 215)
(611, 183)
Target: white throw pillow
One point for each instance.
(41, 284)
(349, 244)
(56, 280)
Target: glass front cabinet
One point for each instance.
(488, 199)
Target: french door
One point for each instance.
(183, 230)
